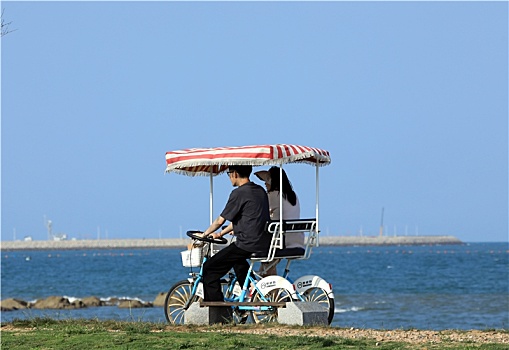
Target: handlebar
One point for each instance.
(208, 239)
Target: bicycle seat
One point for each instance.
(281, 253)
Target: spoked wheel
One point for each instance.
(175, 301)
(275, 295)
(320, 296)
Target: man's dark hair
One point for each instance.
(243, 170)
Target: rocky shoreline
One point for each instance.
(64, 303)
(180, 242)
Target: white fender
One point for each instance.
(199, 290)
(304, 283)
(269, 283)
(237, 289)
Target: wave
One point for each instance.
(112, 299)
(350, 309)
(108, 299)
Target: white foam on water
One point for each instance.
(71, 299)
(350, 309)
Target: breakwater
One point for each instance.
(387, 240)
(180, 242)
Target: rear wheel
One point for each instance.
(176, 299)
(321, 296)
(275, 295)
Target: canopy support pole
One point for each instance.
(281, 198)
(211, 195)
(317, 196)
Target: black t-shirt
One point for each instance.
(248, 210)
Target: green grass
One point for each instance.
(45, 333)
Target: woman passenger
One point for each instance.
(291, 211)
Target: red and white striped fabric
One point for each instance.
(207, 161)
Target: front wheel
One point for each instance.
(274, 295)
(176, 299)
(319, 295)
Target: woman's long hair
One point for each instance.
(288, 192)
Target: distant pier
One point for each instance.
(182, 243)
(387, 240)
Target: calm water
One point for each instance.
(424, 287)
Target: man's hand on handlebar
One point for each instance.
(203, 234)
(215, 235)
(216, 224)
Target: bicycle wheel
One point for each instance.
(177, 297)
(319, 295)
(275, 295)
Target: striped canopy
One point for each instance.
(214, 161)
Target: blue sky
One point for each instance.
(410, 98)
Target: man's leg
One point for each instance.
(217, 266)
(213, 269)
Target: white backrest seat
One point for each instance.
(306, 226)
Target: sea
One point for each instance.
(380, 287)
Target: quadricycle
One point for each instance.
(259, 297)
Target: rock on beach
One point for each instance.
(93, 301)
(13, 304)
(160, 299)
(63, 303)
(57, 302)
(130, 304)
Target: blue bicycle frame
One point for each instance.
(231, 285)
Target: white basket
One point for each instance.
(192, 258)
